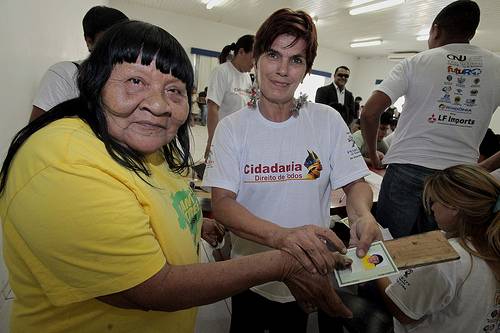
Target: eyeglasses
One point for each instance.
(345, 76)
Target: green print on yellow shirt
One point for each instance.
(188, 211)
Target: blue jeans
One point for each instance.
(399, 205)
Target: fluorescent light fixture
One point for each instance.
(356, 3)
(212, 3)
(423, 37)
(373, 42)
(375, 6)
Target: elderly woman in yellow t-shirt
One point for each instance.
(100, 231)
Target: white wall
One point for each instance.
(363, 76)
(34, 35)
(195, 32)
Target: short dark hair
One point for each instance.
(459, 19)
(343, 67)
(124, 42)
(99, 19)
(385, 118)
(286, 21)
(358, 98)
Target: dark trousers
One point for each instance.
(399, 206)
(253, 313)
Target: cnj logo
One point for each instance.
(464, 71)
(455, 57)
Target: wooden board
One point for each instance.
(420, 250)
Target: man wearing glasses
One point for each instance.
(337, 96)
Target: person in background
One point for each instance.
(434, 132)
(489, 146)
(355, 125)
(382, 147)
(226, 55)
(272, 170)
(460, 295)
(337, 96)
(59, 82)
(202, 105)
(357, 106)
(229, 85)
(100, 230)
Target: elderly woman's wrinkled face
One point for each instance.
(144, 108)
(281, 69)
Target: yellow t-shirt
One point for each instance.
(77, 225)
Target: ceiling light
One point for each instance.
(375, 6)
(356, 3)
(373, 42)
(212, 3)
(423, 37)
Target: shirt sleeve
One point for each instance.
(83, 233)
(346, 161)
(396, 83)
(55, 88)
(217, 84)
(223, 165)
(422, 291)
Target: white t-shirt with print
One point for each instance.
(229, 88)
(272, 166)
(58, 85)
(457, 296)
(450, 94)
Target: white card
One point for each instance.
(376, 264)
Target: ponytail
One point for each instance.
(226, 51)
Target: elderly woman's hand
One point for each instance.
(212, 232)
(311, 245)
(313, 291)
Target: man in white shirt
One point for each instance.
(59, 82)
(337, 96)
(451, 92)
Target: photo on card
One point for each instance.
(376, 264)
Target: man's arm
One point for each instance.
(212, 121)
(350, 106)
(35, 113)
(364, 228)
(370, 118)
(491, 163)
(307, 244)
(322, 96)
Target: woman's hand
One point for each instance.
(311, 245)
(313, 291)
(364, 231)
(212, 232)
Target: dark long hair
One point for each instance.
(124, 42)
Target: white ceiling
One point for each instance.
(397, 26)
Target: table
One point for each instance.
(338, 201)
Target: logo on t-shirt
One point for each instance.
(282, 172)
(188, 211)
(313, 164)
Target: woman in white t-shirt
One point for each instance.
(229, 84)
(462, 295)
(272, 169)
